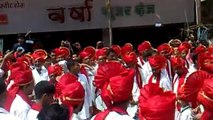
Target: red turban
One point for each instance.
(90, 50)
(39, 55)
(84, 54)
(25, 59)
(155, 104)
(144, 46)
(55, 69)
(63, 52)
(181, 93)
(194, 83)
(119, 88)
(205, 96)
(117, 49)
(130, 58)
(177, 62)
(100, 52)
(184, 47)
(165, 48)
(127, 48)
(15, 67)
(200, 49)
(157, 61)
(73, 94)
(21, 78)
(105, 71)
(65, 79)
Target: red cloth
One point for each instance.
(62, 52)
(184, 47)
(37, 107)
(177, 62)
(117, 49)
(164, 48)
(127, 48)
(155, 104)
(130, 58)
(65, 79)
(54, 69)
(199, 49)
(21, 78)
(103, 115)
(84, 55)
(73, 94)
(205, 96)
(91, 50)
(207, 115)
(105, 71)
(40, 55)
(157, 80)
(157, 61)
(144, 46)
(138, 76)
(100, 52)
(194, 83)
(10, 98)
(120, 87)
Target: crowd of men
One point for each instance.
(171, 82)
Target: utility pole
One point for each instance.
(109, 14)
(198, 11)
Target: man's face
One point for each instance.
(48, 99)
(86, 60)
(75, 69)
(112, 56)
(20, 40)
(29, 88)
(156, 71)
(38, 64)
(101, 59)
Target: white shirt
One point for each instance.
(165, 82)
(32, 114)
(132, 109)
(19, 108)
(4, 115)
(116, 116)
(185, 114)
(84, 113)
(75, 117)
(39, 77)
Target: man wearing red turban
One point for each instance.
(116, 90)
(166, 51)
(73, 98)
(158, 63)
(39, 72)
(18, 102)
(155, 104)
(145, 50)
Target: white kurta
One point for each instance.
(91, 73)
(175, 83)
(84, 113)
(5, 115)
(185, 114)
(165, 82)
(75, 117)
(146, 71)
(32, 114)
(132, 109)
(116, 116)
(40, 77)
(19, 108)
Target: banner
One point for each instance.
(20, 16)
